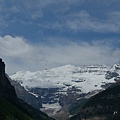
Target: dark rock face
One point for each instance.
(2, 69)
(113, 72)
(110, 75)
(48, 94)
(8, 95)
(6, 89)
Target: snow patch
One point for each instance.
(86, 78)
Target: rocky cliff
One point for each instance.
(12, 108)
(6, 89)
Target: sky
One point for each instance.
(42, 34)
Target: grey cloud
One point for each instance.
(21, 55)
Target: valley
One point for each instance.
(59, 89)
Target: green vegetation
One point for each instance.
(35, 113)
(21, 111)
(12, 108)
(8, 111)
(105, 105)
(76, 107)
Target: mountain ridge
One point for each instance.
(57, 85)
(103, 106)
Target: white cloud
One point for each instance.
(35, 9)
(13, 46)
(21, 55)
(63, 14)
(83, 21)
(107, 2)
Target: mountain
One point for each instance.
(63, 87)
(6, 89)
(23, 94)
(12, 108)
(103, 106)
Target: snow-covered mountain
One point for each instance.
(68, 76)
(67, 84)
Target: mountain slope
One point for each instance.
(64, 77)
(23, 94)
(103, 106)
(12, 108)
(8, 111)
(63, 87)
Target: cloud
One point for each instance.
(13, 46)
(83, 21)
(35, 9)
(69, 15)
(107, 2)
(19, 54)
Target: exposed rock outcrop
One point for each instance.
(6, 89)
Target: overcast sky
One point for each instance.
(40, 34)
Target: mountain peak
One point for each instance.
(64, 77)
(2, 69)
(116, 67)
(66, 67)
(57, 85)
(69, 66)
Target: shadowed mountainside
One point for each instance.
(103, 106)
(12, 108)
